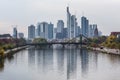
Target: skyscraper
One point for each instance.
(71, 24)
(15, 32)
(50, 31)
(68, 22)
(31, 32)
(84, 26)
(90, 31)
(38, 30)
(60, 26)
(44, 30)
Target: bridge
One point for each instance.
(63, 43)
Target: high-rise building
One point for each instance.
(93, 31)
(38, 30)
(65, 33)
(44, 30)
(50, 31)
(90, 31)
(31, 32)
(78, 31)
(21, 35)
(60, 26)
(15, 32)
(96, 34)
(84, 26)
(68, 22)
(55, 32)
(71, 24)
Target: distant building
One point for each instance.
(21, 35)
(5, 36)
(93, 31)
(78, 31)
(96, 32)
(44, 30)
(59, 35)
(99, 33)
(115, 33)
(60, 26)
(55, 32)
(71, 24)
(50, 31)
(38, 30)
(84, 26)
(65, 33)
(90, 31)
(15, 32)
(31, 32)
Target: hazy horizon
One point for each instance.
(104, 13)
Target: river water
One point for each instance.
(60, 64)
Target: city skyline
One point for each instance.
(23, 13)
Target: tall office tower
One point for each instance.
(50, 31)
(60, 26)
(96, 32)
(38, 30)
(90, 31)
(84, 26)
(65, 33)
(68, 22)
(31, 32)
(71, 24)
(78, 31)
(73, 27)
(15, 32)
(55, 32)
(44, 30)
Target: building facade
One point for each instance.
(21, 35)
(31, 32)
(71, 25)
(84, 26)
(50, 31)
(15, 32)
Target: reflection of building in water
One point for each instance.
(84, 61)
(60, 60)
(31, 57)
(45, 59)
(71, 64)
(1, 65)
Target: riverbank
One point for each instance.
(106, 50)
(12, 51)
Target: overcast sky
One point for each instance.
(105, 13)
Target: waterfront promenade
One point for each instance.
(107, 50)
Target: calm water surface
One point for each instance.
(60, 64)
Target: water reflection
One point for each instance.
(71, 64)
(84, 61)
(1, 65)
(60, 60)
(31, 57)
(61, 64)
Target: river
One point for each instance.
(60, 64)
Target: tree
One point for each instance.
(39, 40)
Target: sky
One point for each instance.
(22, 13)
